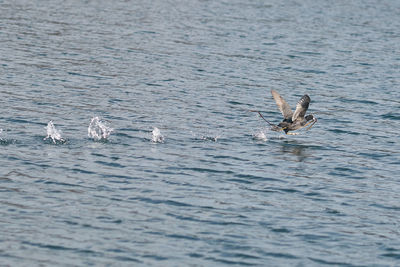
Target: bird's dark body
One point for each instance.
(293, 120)
(289, 125)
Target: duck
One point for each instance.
(292, 121)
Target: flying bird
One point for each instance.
(292, 120)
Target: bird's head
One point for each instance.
(311, 120)
(310, 117)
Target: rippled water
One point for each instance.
(221, 188)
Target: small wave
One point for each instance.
(157, 136)
(53, 133)
(98, 130)
(390, 115)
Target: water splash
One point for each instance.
(157, 136)
(206, 137)
(53, 133)
(261, 135)
(210, 138)
(98, 130)
(4, 140)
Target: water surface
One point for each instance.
(210, 193)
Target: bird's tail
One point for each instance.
(273, 126)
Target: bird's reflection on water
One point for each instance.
(296, 148)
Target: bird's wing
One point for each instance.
(301, 107)
(282, 105)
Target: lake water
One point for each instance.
(220, 188)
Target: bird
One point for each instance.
(292, 120)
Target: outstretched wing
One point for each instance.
(282, 105)
(301, 107)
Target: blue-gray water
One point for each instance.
(211, 194)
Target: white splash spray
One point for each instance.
(53, 133)
(261, 135)
(98, 130)
(157, 136)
